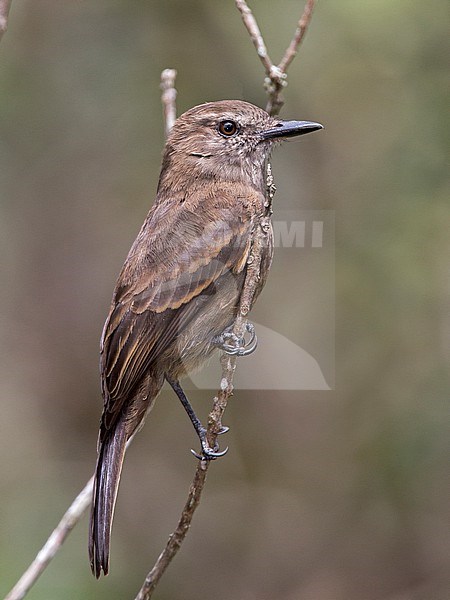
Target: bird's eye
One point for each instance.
(228, 128)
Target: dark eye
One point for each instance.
(228, 128)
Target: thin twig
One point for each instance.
(277, 79)
(228, 363)
(177, 537)
(255, 34)
(168, 98)
(53, 544)
(48, 551)
(302, 26)
(5, 5)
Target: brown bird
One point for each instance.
(179, 288)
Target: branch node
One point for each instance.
(276, 74)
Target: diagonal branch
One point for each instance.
(5, 5)
(176, 538)
(58, 536)
(255, 34)
(53, 544)
(219, 405)
(220, 402)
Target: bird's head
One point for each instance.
(230, 139)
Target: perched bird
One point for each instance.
(179, 288)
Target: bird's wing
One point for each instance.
(176, 261)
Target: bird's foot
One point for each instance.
(207, 452)
(236, 346)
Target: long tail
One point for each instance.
(106, 484)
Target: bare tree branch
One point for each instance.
(5, 5)
(168, 98)
(48, 551)
(276, 78)
(219, 405)
(177, 537)
(53, 544)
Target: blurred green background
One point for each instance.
(335, 495)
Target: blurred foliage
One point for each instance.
(330, 495)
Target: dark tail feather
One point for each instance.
(106, 485)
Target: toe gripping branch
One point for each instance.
(230, 343)
(209, 453)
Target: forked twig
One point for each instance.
(276, 78)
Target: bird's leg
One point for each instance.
(208, 453)
(234, 345)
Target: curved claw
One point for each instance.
(235, 346)
(252, 343)
(196, 454)
(209, 454)
(223, 429)
(252, 331)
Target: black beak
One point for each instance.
(285, 129)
